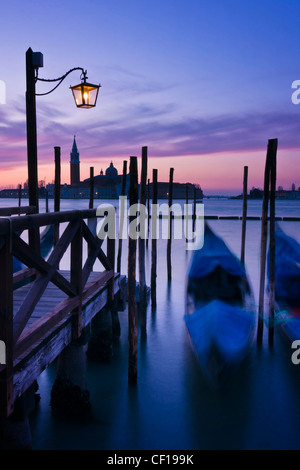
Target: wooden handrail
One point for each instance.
(28, 222)
(8, 211)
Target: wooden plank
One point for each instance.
(40, 284)
(48, 321)
(8, 211)
(23, 274)
(31, 364)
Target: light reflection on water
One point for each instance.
(171, 407)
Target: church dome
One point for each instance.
(111, 170)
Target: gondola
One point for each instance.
(287, 284)
(219, 316)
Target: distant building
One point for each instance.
(106, 185)
(74, 165)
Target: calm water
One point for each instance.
(171, 407)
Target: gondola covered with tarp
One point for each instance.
(219, 315)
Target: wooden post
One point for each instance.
(272, 144)
(244, 214)
(169, 267)
(132, 305)
(272, 242)
(121, 215)
(31, 131)
(148, 212)
(33, 234)
(56, 190)
(115, 323)
(47, 200)
(194, 210)
(142, 274)
(187, 212)
(153, 238)
(91, 201)
(20, 195)
(76, 279)
(6, 328)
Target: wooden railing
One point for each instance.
(8, 211)
(14, 329)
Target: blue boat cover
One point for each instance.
(214, 253)
(226, 327)
(287, 268)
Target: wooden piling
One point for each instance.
(245, 182)
(121, 215)
(148, 212)
(169, 266)
(142, 273)
(153, 238)
(20, 195)
(272, 243)
(187, 212)
(56, 190)
(272, 146)
(91, 200)
(132, 304)
(194, 210)
(46, 200)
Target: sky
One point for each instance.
(202, 83)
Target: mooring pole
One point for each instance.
(194, 211)
(187, 212)
(20, 195)
(148, 212)
(132, 304)
(121, 215)
(56, 190)
(153, 238)
(244, 214)
(169, 267)
(271, 150)
(142, 274)
(272, 243)
(91, 200)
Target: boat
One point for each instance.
(287, 283)
(219, 317)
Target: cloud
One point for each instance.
(161, 127)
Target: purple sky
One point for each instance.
(201, 82)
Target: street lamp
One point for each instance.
(85, 95)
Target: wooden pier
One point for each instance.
(44, 309)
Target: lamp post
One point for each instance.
(85, 95)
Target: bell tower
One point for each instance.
(74, 165)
